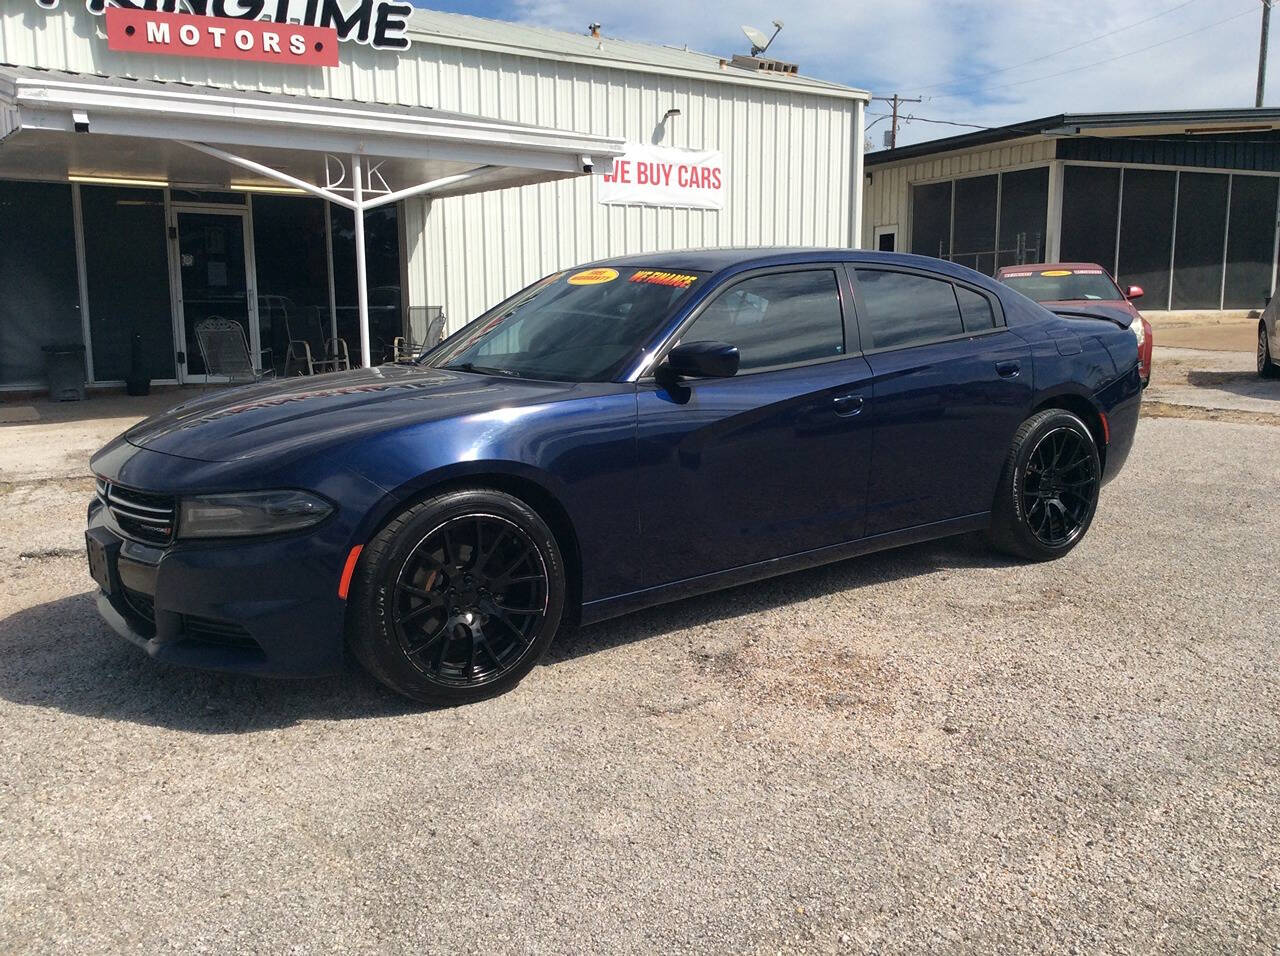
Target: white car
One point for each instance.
(1269, 341)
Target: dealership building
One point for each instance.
(1184, 204)
(349, 169)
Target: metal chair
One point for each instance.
(225, 351)
(404, 349)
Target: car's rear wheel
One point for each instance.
(458, 597)
(1267, 367)
(1048, 491)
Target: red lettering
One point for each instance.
(715, 179)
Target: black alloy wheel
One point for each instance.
(1048, 491)
(1267, 367)
(457, 597)
(1060, 486)
(469, 601)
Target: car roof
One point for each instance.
(720, 260)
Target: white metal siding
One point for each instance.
(789, 151)
(887, 199)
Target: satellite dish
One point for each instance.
(759, 42)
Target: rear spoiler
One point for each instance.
(1120, 317)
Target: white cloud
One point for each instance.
(904, 46)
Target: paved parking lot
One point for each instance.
(927, 749)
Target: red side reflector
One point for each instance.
(1106, 440)
(348, 569)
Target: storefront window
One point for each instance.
(1146, 233)
(39, 291)
(931, 220)
(1250, 241)
(1090, 204)
(293, 274)
(1024, 210)
(382, 251)
(975, 224)
(127, 267)
(1202, 226)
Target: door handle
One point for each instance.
(846, 405)
(1008, 369)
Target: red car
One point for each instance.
(1082, 286)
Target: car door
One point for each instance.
(772, 461)
(950, 383)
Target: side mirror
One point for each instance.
(1135, 292)
(703, 360)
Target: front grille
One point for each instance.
(139, 514)
(209, 630)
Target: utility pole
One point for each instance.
(1262, 52)
(896, 101)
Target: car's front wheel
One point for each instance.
(1267, 367)
(457, 597)
(1048, 491)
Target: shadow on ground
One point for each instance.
(1237, 383)
(61, 655)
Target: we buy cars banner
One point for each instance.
(664, 176)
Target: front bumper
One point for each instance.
(265, 607)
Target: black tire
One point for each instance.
(1048, 491)
(457, 597)
(1267, 367)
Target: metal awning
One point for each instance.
(55, 125)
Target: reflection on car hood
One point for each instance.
(297, 412)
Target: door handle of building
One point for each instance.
(846, 405)
(1008, 369)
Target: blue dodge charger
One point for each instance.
(612, 437)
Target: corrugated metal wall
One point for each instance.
(788, 154)
(887, 199)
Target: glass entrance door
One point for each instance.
(214, 267)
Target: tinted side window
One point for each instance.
(776, 319)
(904, 309)
(976, 310)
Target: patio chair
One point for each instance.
(225, 351)
(404, 349)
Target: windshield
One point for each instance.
(1064, 285)
(577, 326)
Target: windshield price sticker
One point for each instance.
(593, 277)
(674, 279)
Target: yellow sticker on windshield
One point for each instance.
(593, 276)
(1057, 272)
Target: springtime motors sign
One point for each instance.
(281, 31)
(663, 176)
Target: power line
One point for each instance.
(1065, 49)
(1110, 59)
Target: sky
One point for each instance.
(969, 59)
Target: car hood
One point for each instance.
(1121, 313)
(307, 412)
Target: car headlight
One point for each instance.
(1139, 332)
(249, 512)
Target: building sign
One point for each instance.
(176, 34)
(381, 24)
(662, 176)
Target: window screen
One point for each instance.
(1202, 227)
(1146, 233)
(975, 310)
(975, 227)
(127, 270)
(904, 309)
(1250, 241)
(776, 319)
(1090, 204)
(1024, 210)
(931, 220)
(39, 290)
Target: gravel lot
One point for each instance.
(930, 749)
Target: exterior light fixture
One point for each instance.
(257, 188)
(117, 181)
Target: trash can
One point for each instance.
(64, 367)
